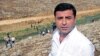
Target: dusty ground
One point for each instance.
(40, 45)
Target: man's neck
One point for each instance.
(62, 36)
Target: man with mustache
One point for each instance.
(67, 40)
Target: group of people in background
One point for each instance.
(9, 41)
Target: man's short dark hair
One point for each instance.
(65, 6)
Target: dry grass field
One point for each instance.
(15, 9)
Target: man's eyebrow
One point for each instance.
(67, 16)
(59, 17)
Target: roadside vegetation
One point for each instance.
(22, 34)
(88, 19)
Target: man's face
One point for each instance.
(65, 21)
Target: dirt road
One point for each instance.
(7, 22)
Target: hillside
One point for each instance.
(12, 9)
(19, 17)
(40, 45)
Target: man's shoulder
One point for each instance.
(83, 41)
(81, 38)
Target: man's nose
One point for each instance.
(64, 21)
